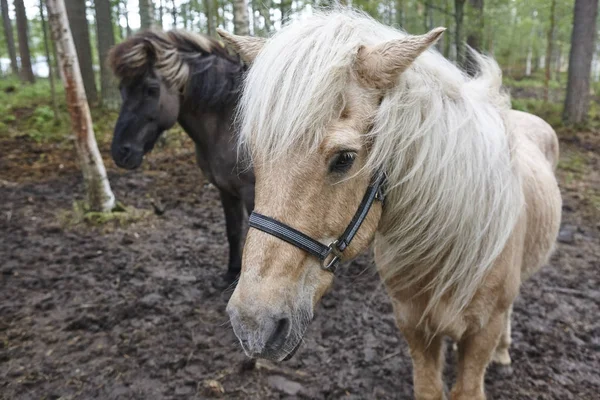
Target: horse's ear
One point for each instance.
(379, 66)
(247, 47)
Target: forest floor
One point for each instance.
(134, 309)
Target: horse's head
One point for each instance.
(311, 159)
(149, 108)
(158, 72)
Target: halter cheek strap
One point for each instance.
(329, 255)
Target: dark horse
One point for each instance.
(178, 76)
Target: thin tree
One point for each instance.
(110, 96)
(447, 38)
(146, 14)
(400, 14)
(10, 40)
(174, 13)
(459, 14)
(549, 49)
(22, 33)
(529, 60)
(475, 36)
(78, 23)
(210, 17)
(241, 24)
(160, 13)
(265, 11)
(99, 193)
(583, 37)
(285, 6)
(49, 61)
(125, 14)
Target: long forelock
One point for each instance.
(297, 83)
(454, 193)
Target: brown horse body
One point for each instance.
(472, 206)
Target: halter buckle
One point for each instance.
(337, 256)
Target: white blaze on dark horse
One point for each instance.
(178, 76)
(472, 207)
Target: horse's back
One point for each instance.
(537, 131)
(536, 155)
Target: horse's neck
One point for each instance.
(206, 126)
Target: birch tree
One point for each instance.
(98, 191)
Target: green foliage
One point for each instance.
(26, 110)
(550, 112)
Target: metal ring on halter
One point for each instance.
(331, 265)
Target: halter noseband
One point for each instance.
(314, 247)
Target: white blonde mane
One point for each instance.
(453, 195)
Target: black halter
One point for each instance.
(314, 247)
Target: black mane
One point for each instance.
(215, 75)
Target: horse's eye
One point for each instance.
(151, 91)
(342, 162)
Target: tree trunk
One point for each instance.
(111, 99)
(400, 13)
(99, 194)
(174, 14)
(49, 61)
(10, 40)
(285, 6)
(549, 50)
(146, 14)
(160, 14)
(125, 14)
(22, 31)
(57, 69)
(529, 61)
(265, 11)
(475, 36)
(254, 19)
(459, 13)
(78, 24)
(577, 101)
(558, 63)
(427, 16)
(210, 17)
(241, 25)
(218, 13)
(447, 37)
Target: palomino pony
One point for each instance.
(180, 76)
(333, 104)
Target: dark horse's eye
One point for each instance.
(342, 162)
(152, 91)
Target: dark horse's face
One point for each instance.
(149, 108)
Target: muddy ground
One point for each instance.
(137, 312)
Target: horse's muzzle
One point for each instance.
(127, 156)
(266, 336)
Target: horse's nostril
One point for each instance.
(280, 333)
(125, 150)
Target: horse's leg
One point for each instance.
(474, 354)
(501, 355)
(428, 363)
(234, 222)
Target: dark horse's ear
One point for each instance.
(247, 47)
